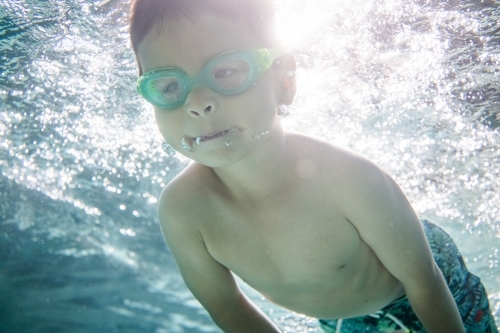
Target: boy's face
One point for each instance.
(228, 124)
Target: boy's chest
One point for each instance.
(285, 245)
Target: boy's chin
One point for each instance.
(224, 156)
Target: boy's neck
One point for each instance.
(260, 175)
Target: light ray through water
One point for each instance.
(411, 85)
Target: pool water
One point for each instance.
(412, 85)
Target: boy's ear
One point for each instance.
(288, 78)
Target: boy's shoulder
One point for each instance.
(333, 159)
(184, 198)
(341, 175)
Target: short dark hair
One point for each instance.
(145, 14)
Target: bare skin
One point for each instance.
(314, 228)
(299, 251)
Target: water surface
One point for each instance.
(414, 86)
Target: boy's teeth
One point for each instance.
(200, 139)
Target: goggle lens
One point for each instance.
(166, 89)
(231, 74)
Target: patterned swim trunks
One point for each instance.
(467, 290)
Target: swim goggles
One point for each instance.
(228, 73)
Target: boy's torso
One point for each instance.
(296, 247)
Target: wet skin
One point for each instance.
(314, 228)
(295, 247)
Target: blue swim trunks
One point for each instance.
(467, 290)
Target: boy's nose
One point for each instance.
(200, 104)
(197, 112)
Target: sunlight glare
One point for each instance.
(298, 20)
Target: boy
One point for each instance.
(314, 228)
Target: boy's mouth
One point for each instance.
(190, 143)
(216, 135)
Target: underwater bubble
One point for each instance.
(189, 144)
(259, 136)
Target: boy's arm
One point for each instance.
(209, 281)
(385, 220)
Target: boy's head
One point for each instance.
(214, 73)
(146, 15)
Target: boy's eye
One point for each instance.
(168, 88)
(231, 74)
(223, 72)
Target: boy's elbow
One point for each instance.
(227, 310)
